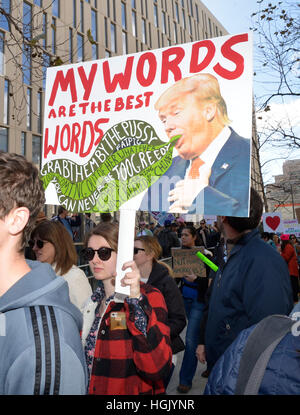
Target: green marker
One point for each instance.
(213, 266)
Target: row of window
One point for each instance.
(35, 140)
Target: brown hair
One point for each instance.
(152, 246)
(20, 186)
(108, 231)
(56, 233)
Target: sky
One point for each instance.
(235, 16)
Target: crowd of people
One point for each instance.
(57, 336)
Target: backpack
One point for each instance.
(257, 352)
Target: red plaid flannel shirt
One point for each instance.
(125, 361)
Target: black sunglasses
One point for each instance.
(39, 243)
(136, 250)
(104, 253)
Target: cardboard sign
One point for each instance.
(186, 262)
(272, 222)
(105, 142)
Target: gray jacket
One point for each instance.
(40, 347)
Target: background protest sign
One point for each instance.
(104, 143)
(272, 222)
(186, 262)
(291, 227)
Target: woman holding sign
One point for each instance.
(127, 345)
(193, 291)
(147, 251)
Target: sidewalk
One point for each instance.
(198, 382)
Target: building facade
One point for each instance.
(284, 194)
(70, 31)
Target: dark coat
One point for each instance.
(160, 279)
(254, 283)
(282, 375)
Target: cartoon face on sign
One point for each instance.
(272, 222)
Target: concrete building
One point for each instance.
(284, 194)
(79, 30)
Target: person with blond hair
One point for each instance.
(213, 162)
(147, 252)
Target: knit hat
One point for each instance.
(284, 237)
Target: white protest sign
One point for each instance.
(291, 227)
(272, 222)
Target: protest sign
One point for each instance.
(291, 227)
(186, 262)
(272, 222)
(105, 142)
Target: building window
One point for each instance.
(1, 53)
(5, 4)
(26, 68)
(133, 5)
(38, 3)
(175, 33)
(134, 23)
(36, 150)
(155, 15)
(46, 64)
(183, 19)
(74, 13)
(177, 12)
(45, 29)
(190, 25)
(29, 106)
(79, 47)
(70, 44)
(124, 41)
(3, 139)
(56, 8)
(39, 112)
(191, 8)
(81, 17)
(124, 23)
(94, 34)
(53, 26)
(6, 102)
(144, 31)
(163, 17)
(150, 37)
(113, 40)
(23, 144)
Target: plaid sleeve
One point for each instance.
(152, 354)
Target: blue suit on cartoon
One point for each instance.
(228, 191)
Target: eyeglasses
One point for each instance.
(136, 250)
(104, 253)
(39, 243)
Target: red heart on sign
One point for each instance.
(273, 222)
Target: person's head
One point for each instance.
(52, 243)
(167, 223)
(88, 215)
(195, 109)
(293, 239)
(147, 251)
(276, 238)
(285, 240)
(188, 236)
(21, 197)
(142, 225)
(265, 236)
(62, 212)
(105, 217)
(232, 226)
(202, 223)
(100, 250)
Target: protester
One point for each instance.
(296, 245)
(51, 243)
(106, 217)
(181, 225)
(267, 238)
(281, 376)
(40, 348)
(147, 251)
(193, 290)
(203, 234)
(89, 224)
(167, 239)
(68, 221)
(289, 255)
(253, 283)
(143, 230)
(127, 344)
(276, 241)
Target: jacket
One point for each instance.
(252, 284)
(40, 347)
(289, 255)
(160, 279)
(125, 361)
(282, 375)
(167, 240)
